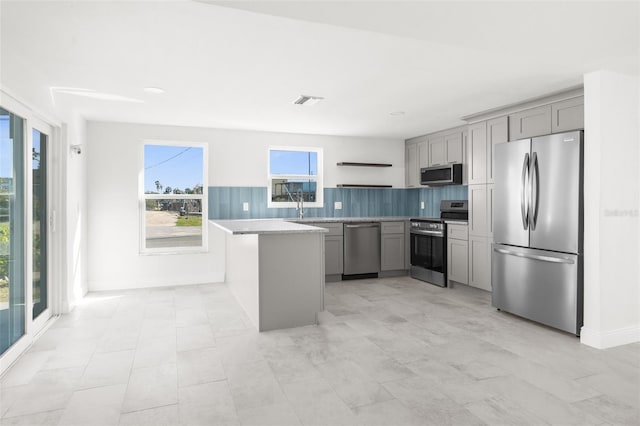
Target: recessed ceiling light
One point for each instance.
(153, 90)
(90, 93)
(307, 100)
(396, 113)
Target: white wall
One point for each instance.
(612, 201)
(236, 158)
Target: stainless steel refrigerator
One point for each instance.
(538, 229)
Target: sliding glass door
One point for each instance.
(12, 229)
(25, 294)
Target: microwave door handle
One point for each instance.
(535, 192)
(524, 208)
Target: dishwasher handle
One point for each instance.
(363, 225)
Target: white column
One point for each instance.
(611, 216)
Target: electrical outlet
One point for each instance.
(337, 205)
(245, 207)
(421, 205)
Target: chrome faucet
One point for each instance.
(300, 203)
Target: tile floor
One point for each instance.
(387, 352)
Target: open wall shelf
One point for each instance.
(348, 163)
(355, 185)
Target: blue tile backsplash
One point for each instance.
(226, 202)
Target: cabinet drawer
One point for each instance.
(334, 228)
(392, 227)
(458, 232)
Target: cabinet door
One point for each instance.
(392, 252)
(530, 122)
(497, 132)
(477, 153)
(411, 166)
(478, 220)
(437, 151)
(458, 261)
(480, 262)
(453, 146)
(333, 255)
(567, 115)
(423, 155)
(490, 211)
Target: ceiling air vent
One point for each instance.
(307, 100)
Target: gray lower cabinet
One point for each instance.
(457, 253)
(392, 246)
(333, 254)
(480, 262)
(333, 247)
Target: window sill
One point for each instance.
(175, 251)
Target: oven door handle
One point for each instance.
(433, 233)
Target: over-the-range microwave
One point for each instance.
(449, 174)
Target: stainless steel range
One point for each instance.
(429, 242)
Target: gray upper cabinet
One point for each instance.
(437, 151)
(478, 210)
(477, 153)
(411, 165)
(530, 122)
(497, 132)
(567, 115)
(446, 148)
(454, 147)
(423, 156)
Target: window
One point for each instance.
(174, 197)
(295, 172)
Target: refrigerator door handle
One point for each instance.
(535, 188)
(524, 208)
(535, 257)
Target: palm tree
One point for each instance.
(158, 186)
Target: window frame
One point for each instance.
(142, 197)
(319, 203)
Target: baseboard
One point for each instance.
(391, 274)
(133, 285)
(609, 339)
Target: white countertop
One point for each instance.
(265, 226)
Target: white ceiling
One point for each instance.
(241, 64)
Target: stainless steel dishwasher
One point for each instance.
(361, 250)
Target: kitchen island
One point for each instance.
(275, 269)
